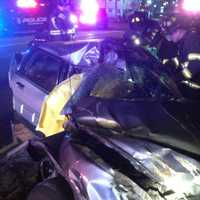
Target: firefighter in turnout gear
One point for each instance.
(183, 41)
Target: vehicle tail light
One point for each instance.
(26, 3)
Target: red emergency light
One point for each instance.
(26, 3)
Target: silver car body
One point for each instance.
(28, 96)
(169, 175)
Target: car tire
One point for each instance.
(51, 189)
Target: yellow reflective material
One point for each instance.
(51, 121)
(186, 73)
(165, 61)
(185, 64)
(176, 61)
(192, 85)
(193, 56)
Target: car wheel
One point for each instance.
(51, 189)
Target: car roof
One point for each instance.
(61, 48)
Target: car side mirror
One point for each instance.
(18, 58)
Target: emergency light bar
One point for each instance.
(191, 5)
(89, 10)
(26, 3)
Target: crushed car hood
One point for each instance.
(177, 176)
(148, 133)
(170, 123)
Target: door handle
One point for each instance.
(20, 85)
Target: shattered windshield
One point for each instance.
(127, 83)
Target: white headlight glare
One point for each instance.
(73, 19)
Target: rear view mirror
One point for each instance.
(18, 58)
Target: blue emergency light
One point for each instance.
(1, 24)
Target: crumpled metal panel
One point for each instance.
(85, 56)
(51, 119)
(92, 179)
(178, 175)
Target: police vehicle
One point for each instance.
(24, 15)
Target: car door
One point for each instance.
(33, 82)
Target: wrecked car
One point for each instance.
(131, 135)
(43, 71)
(45, 77)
